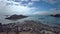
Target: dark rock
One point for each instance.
(1, 27)
(15, 17)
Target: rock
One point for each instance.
(15, 17)
(1, 28)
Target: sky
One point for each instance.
(29, 7)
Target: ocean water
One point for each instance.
(45, 19)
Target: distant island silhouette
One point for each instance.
(15, 17)
(57, 15)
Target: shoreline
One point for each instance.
(31, 26)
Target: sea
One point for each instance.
(45, 19)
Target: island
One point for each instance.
(15, 17)
(57, 15)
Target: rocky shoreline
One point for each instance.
(30, 26)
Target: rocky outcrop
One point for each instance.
(1, 27)
(15, 17)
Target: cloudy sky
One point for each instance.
(29, 7)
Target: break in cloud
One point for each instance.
(51, 11)
(54, 9)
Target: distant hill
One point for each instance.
(57, 15)
(15, 17)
